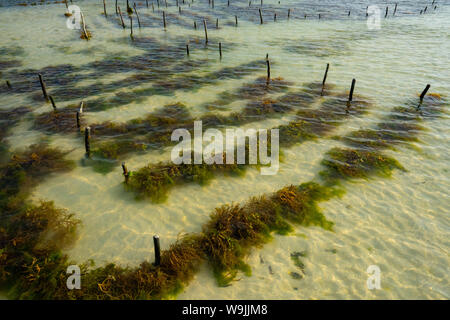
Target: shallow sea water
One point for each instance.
(400, 224)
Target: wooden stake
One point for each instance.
(84, 27)
(206, 31)
(268, 68)
(220, 49)
(44, 90)
(104, 8)
(217, 23)
(117, 11)
(235, 18)
(395, 9)
(324, 79)
(187, 50)
(126, 173)
(157, 250)
(195, 25)
(164, 19)
(87, 143)
(121, 18)
(78, 120)
(289, 13)
(8, 84)
(350, 96)
(424, 92)
(146, 2)
(131, 27)
(275, 17)
(260, 16)
(387, 10)
(53, 102)
(129, 10)
(137, 15)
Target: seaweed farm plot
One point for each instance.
(224, 149)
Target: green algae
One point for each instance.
(234, 229)
(155, 181)
(59, 121)
(353, 164)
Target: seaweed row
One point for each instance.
(364, 158)
(64, 119)
(155, 130)
(155, 180)
(8, 119)
(32, 264)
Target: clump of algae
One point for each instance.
(234, 229)
(59, 121)
(353, 163)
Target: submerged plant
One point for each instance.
(353, 163)
(234, 229)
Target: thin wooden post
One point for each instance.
(395, 9)
(137, 15)
(187, 50)
(220, 49)
(236, 19)
(275, 17)
(53, 102)
(87, 142)
(8, 84)
(268, 68)
(78, 120)
(164, 19)
(350, 96)
(206, 31)
(44, 90)
(126, 173)
(146, 3)
(117, 11)
(129, 10)
(217, 23)
(289, 13)
(157, 250)
(260, 16)
(104, 8)
(84, 27)
(131, 26)
(424, 92)
(121, 18)
(195, 25)
(324, 79)
(387, 10)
